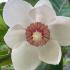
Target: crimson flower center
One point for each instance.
(37, 34)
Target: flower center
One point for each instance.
(37, 34)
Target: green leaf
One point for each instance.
(33, 2)
(7, 67)
(61, 7)
(1, 8)
(3, 28)
(4, 51)
(6, 61)
(42, 66)
(65, 62)
(5, 54)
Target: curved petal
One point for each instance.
(1, 1)
(15, 36)
(60, 30)
(43, 12)
(16, 12)
(50, 53)
(25, 57)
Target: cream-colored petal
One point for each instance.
(43, 12)
(17, 12)
(60, 30)
(25, 57)
(50, 53)
(15, 36)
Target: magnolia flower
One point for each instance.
(35, 33)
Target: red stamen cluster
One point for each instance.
(39, 27)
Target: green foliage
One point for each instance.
(65, 62)
(7, 67)
(42, 66)
(62, 7)
(1, 8)
(5, 53)
(33, 2)
(3, 28)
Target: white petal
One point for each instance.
(15, 36)
(46, 2)
(43, 12)
(1, 1)
(25, 57)
(60, 30)
(17, 12)
(50, 53)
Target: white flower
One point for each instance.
(35, 33)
